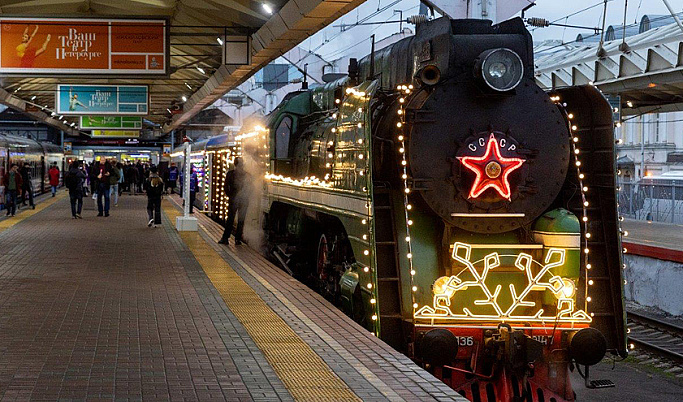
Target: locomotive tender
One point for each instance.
(455, 209)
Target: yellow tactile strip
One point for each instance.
(25, 213)
(306, 376)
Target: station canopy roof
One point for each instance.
(195, 26)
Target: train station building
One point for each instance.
(332, 200)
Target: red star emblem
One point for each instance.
(492, 170)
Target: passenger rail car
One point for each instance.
(40, 156)
(211, 159)
(455, 209)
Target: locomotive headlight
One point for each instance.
(500, 69)
(568, 289)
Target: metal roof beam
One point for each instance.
(289, 26)
(19, 104)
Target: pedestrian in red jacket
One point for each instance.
(54, 178)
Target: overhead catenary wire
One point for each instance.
(574, 13)
(663, 17)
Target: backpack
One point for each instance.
(70, 181)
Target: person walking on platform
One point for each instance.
(54, 178)
(74, 180)
(27, 188)
(194, 186)
(13, 185)
(236, 189)
(171, 178)
(132, 178)
(114, 180)
(103, 184)
(155, 188)
(141, 177)
(92, 175)
(122, 180)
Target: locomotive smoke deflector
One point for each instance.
(500, 69)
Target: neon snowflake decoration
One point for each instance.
(521, 309)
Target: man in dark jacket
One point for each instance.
(13, 185)
(102, 174)
(154, 186)
(74, 181)
(237, 189)
(27, 188)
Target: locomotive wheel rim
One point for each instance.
(322, 260)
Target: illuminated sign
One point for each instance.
(115, 133)
(110, 122)
(520, 308)
(83, 46)
(73, 99)
(492, 169)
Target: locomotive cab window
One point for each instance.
(283, 133)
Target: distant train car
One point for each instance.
(199, 158)
(658, 198)
(40, 156)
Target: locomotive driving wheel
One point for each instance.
(324, 272)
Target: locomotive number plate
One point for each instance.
(465, 340)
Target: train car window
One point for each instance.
(282, 134)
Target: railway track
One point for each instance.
(655, 335)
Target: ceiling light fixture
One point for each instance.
(268, 8)
(201, 70)
(188, 86)
(220, 41)
(33, 97)
(169, 110)
(184, 98)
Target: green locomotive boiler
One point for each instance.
(455, 209)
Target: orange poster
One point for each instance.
(77, 46)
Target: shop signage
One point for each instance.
(83, 46)
(75, 99)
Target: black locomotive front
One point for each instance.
(493, 166)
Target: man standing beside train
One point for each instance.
(236, 188)
(27, 188)
(13, 184)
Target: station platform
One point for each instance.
(108, 308)
(663, 241)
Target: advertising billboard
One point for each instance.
(83, 46)
(115, 133)
(110, 122)
(74, 99)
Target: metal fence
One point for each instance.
(652, 200)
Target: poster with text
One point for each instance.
(74, 99)
(110, 122)
(83, 46)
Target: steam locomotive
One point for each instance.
(455, 209)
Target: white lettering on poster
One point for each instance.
(77, 45)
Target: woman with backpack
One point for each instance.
(154, 186)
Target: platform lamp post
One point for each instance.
(187, 223)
